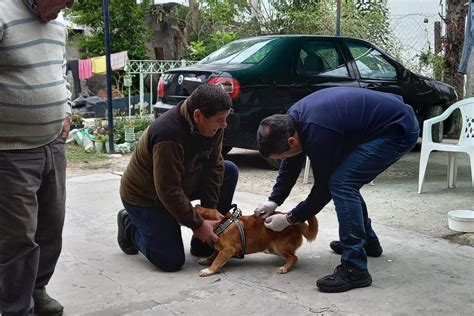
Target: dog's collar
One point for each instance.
(234, 218)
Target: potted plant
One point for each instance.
(77, 121)
(129, 131)
(100, 141)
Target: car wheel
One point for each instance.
(225, 150)
(438, 128)
(273, 163)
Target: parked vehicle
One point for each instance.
(265, 75)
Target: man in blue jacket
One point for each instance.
(350, 136)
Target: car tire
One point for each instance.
(273, 163)
(437, 130)
(225, 150)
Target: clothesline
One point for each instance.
(84, 69)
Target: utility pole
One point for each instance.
(110, 117)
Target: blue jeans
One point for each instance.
(360, 167)
(156, 233)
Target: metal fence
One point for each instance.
(145, 70)
(414, 34)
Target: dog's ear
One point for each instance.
(208, 213)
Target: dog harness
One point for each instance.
(234, 218)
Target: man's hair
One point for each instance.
(273, 134)
(209, 99)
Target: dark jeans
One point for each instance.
(157, 234)
(32, 205)
(360, 167)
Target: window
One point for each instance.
(371, 63)
(242, 52)
(322, 59)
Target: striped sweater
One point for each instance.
(33, 93)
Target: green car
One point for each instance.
(265, 75)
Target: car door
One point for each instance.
(377, 71)
(319, 64)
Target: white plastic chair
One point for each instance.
(465, 143)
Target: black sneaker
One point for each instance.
(344, 279)
(124, 241)
(45, 304)
(372, 247)
(200, 249)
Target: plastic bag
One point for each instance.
(87, 141)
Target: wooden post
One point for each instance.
(437, 37)
(338, 17)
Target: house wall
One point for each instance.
(166, 43)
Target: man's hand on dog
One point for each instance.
(206, 231)
(277, 222)
(265, 209)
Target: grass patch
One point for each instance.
(77, 154)
(77, 157)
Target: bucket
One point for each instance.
(99, 146)
(129, 135)
(461, 221)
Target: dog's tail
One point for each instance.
(310, 230)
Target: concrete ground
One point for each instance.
(425, 268)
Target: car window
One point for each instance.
(248, 51)
(371, 63)
(321, 58)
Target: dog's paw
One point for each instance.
(204, 262)
(282, 270)
(205, 272)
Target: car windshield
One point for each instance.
(246, 51)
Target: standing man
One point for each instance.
(350, 135)
(178, 159)
(33, 127)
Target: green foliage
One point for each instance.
(213, 24)
(77, 119)
(197, 50)
(319, 18)
(217, 22)
(436, 62)
(128, 30)
(200, 49)
(122, 122)
(102, 138)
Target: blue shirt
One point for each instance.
(331, 123)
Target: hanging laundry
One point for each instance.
(98, 65)
(73, 66)
(118, 60)
(85, 69)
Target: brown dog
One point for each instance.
(258, 239)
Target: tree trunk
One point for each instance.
(455, 21)
(454, 40)
(194, 10)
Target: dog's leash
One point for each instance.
(234, 218)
